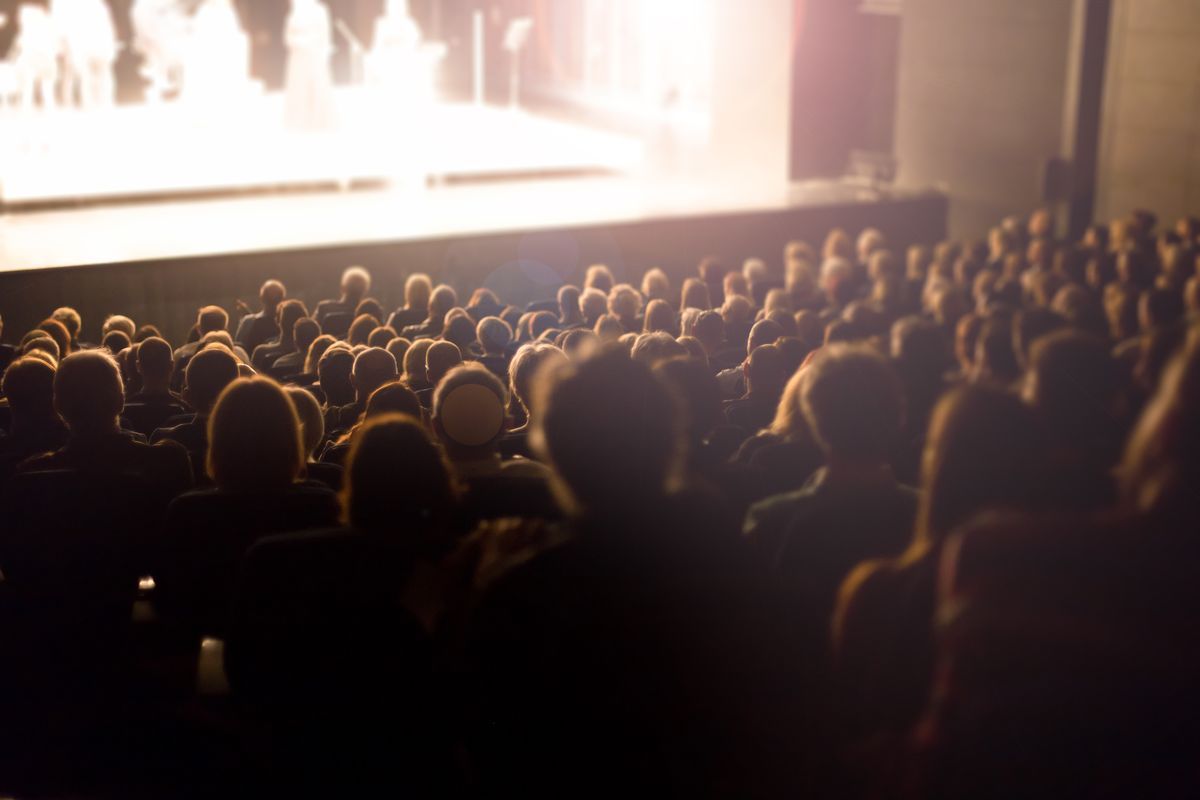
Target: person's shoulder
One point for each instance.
(780, 505)
(40, 463)
(524, 468)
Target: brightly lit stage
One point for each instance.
(242, 145)
(159, 261)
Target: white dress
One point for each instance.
(308, 94)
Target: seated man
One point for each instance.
(373, 368)
(208, 373)
(304, 332)
(36, 428)
(852, 509)
(766, 374)
(263, 356)
(89, 396)
(733, 380)
(147, 410)
(260, 327)
(209, 319)
(417, 290)
(440, 358)
(335, 316)
(441, 302)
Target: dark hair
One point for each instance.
(381, 336)
(852, 400)
(361, 329)
(254, 437)
(29, 387)
(154, 358)
(207, 374)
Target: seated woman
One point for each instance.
(256, 461)
(340, 618)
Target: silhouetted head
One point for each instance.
(853, 402)
(440, 359)
(88, 392)
(207, 374)
(528, 362)
(656, 285)
(208, 319)
(494, 335)
(373, 368)
(61, 336)
(414, 364)
(393, 398)
(254, 440)
(599, 277)
(29, 387)
(659, 317)
(333, 375)
(381, 337)
(651, 348)
(154, 361)
(271, 294)
(417, 290)
(361, 329)
(312, 420)
(356, 282)
(469, 412)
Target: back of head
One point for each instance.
(356, 282)
(118, 322)
(766, 371)
(396, 478)
(441, 357)
(568, 301)
(70, 319)
(361, 329)
(852, 400)
(315, 351)
(393, 398)
(398, 347)
(305, 331)
(254, 441)
(373, 368)
(154, 359)
(612, 431)
(208, 373)
(710, 330)
(469, 411)
(765, 331)
(659, 317)
(651, 348)
(414, 363)
(600, 277)
(441, 301)
(697, 389)
(461, 331)
(1074, 383)
(59, 333)
(113, 341)
(272, 293)
(695, 294)
(88, 391)
(736, 309)
(919, 347)
(494, 335)
(417, 290)
(526, 365)
(29, 387)
(333, 374)
(312, 421)
(656, 285)
(984, 452)
(211, 318)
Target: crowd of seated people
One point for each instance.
(859, 523)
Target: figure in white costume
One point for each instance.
(218, 61)
(160, 35)
(399, 63)
(89, 40)
(36, 57)
(309, 86)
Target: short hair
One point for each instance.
(599, 276)
(609, 327)
(254, 438)
(118, 322)
(568, 300)
(360, 330)
(59, 333)
(396, 478)
(272, 292)
(333, 375)
(206, 376)
(529, 360)
(70, 319)
(765, 331)
(312, 421)
(217, 337)
(211, 318)
(766, 370)
(541, 322)
(312, 356)
(460, 330)
(381, 336)
(417, 289)
(414, 362)
(29, 386)
(612, 430)
(651, 348)
(356, 282)
(398, 347)
(441, 301)
(88, 390)
(736, 309)
(577, 342)
(471, 419)
(656, 285)
(154, 358)
(852, 400)
(304, 332)
(144, 332)
(494, 334)
(1073, 381)
(593, 304)
(1158, 307)
(114, 342)
(393, 398)
(370, 306)
(624, 301)
(373, 367)
(440, 358)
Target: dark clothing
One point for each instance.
(265, 354)
(206, 534)
(7, 354)
(28, 440)
(497, 365)
(751, 413)
(255, 329)
(342, 418)
(146, 412)
(784, 465)
(811, 538)
(164, 465)
(288, 364)
(193, 437)
(403, 318)
(430, 329)
(732, 382)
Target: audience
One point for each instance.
(961, 474)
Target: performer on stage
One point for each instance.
(394, 60)
(309, 86)
(36, 57)
(160, 36)
(218, 64)
(89, 39)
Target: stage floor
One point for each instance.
(149, 232)
(173, 149)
